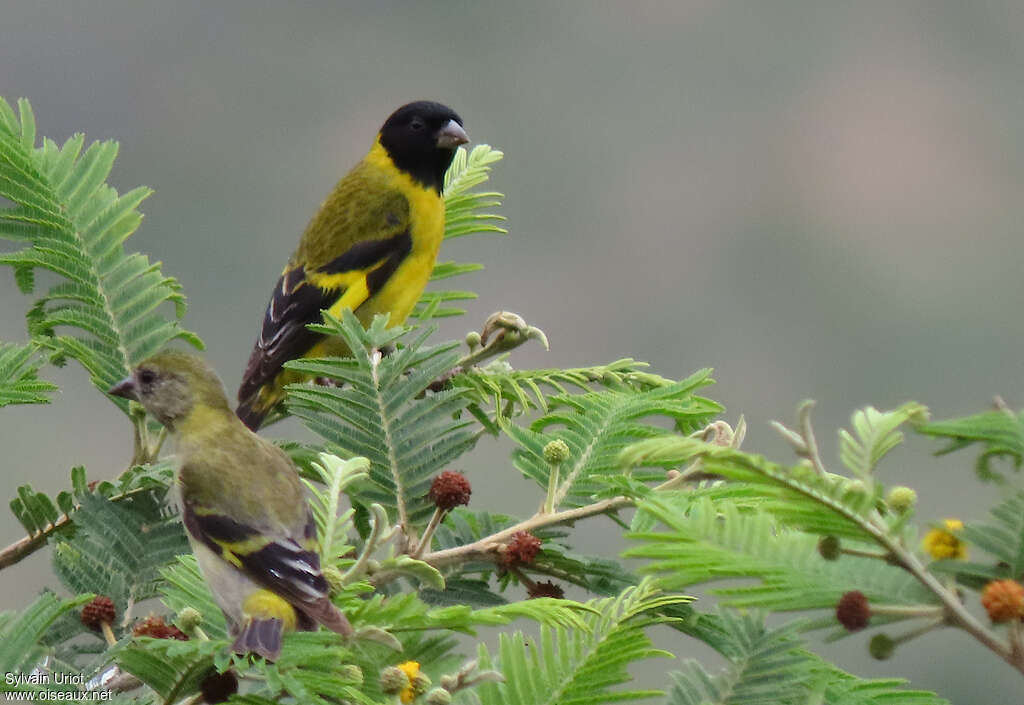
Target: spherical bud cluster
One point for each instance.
(449, 490)
(438, 696)
(99, 611)
(522, 549)
(1003, 600)
(944, 543)
(473, 340)
(546, 589)
(393, 680)
(218, 687)
(420, 685)
(556, 452)
(157, 628)
(881, 646)
(829, 547)
(351, 672)
(901, 499)
(189, 619)
(853, 611)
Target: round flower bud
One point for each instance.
(99, 611)
(420, 685)
(556, 452)
(393, 680)
(218, 687)
(438, 696)
(449, 490)
(157, 628)
(853, 610)
(351, 672)
(943, 543)
(522, 549)
(333, 577)
(546, 589)
(473, 340)
(881, 646)
(1003, 600)
(829, 547)
(901, 499)
(189, 619)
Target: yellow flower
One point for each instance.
(412, 670)
(943, 543)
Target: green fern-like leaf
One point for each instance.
(1000, 433)
(597, 426)
(579, 667)
(768, 666)
(19, 383)
(19, 635)
(334, 524)
(466, 213)
(118, 549)
(706, 541)
(75, 226)
(183, 586)
(875, 433)
(765, 665)
(828, 505)
(529, 389)
(381, 413)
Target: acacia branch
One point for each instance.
(26, 546)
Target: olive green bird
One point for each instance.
(243, 506)
(370, 248)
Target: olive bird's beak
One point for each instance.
(451, 136)
(125, 388)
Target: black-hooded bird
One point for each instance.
(243, 506)
(370, 248)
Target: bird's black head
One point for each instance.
(421, 139)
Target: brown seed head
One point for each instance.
(546, 589)
(449, 490)
(853, 610)
(157, 628)
(100, 610)
(522, 549)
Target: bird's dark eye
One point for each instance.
(417, 124)
(147, 377)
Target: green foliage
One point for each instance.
(768, 666)
(75, 225)
(823, 504)
(875, 433)
(381, 412)
(466, 213)
(19, 383)
(118, 549)
(497, 383)
(411, 576)
(19, 634)
(597, 426)
(707, 541)
(580, 667)
(1000, 433)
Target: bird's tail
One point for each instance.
(260, 636)
(330, 616)
(255, 407)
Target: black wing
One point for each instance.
(282, 565)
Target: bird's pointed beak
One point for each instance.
(451, 136)
(125, 388)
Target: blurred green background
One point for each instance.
(818, 199)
